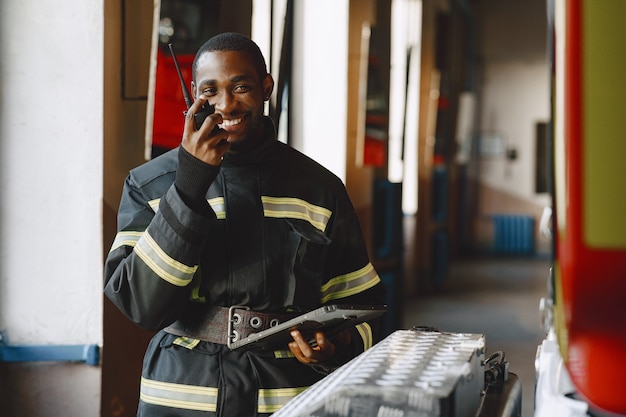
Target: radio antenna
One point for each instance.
(186, 94)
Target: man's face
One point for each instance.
(232, 84)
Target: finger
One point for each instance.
(302, 344)
(293, 347)
(191, 111)
(211, 129)
(325, 348)
(318, 342)
(198, 103)
(297, 352)
(197, 114)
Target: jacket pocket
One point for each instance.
(307, 250)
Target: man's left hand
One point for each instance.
(320, 350)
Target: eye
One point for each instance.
(242, 88)
(209, 91)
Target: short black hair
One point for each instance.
(232, 41)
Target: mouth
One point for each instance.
(229, 124)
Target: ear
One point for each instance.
(193, 91)
(268, 86)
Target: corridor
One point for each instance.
(497, 297)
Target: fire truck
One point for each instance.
(581, 365)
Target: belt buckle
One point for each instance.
(233, 318)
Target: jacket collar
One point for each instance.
(258, 152)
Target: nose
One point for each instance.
(224, 102)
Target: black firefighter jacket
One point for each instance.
(281, 233)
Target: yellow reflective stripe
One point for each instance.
(218, 206)
(350, 284)
(125, 239)
(195, 291)
(295, 208)
(188, 397)
(282, 354)
(216, 203)
(271, 400)
(365, 330)
(186, 342)
(195, 295)
(162, 264)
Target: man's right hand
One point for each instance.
(209, 143)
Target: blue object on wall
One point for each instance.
(514, 234)
(90, 354)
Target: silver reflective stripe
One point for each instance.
(125, 239)
(162, 264)
(271, 400)
(218, 206)
(350, 284)
(191, 397)
(188, 397)
(216, 203)
(154, 204)
(295, 208)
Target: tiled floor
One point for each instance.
(495, 297)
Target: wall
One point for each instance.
(515, 96)
(51, 123)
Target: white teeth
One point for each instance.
(231, 122)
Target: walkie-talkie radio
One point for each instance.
(205, 110)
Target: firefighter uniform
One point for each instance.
(279, 236)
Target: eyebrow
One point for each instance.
(233, 80)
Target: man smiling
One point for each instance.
(236, 85)
(227, 235)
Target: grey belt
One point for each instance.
(225, 325)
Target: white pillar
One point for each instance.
(320, 71)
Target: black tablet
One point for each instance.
(333, 318)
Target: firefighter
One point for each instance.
(230, 233)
